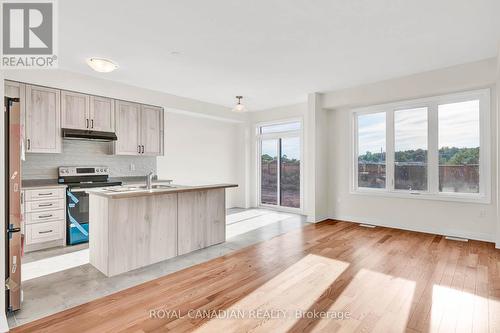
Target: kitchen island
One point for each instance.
(132, 227)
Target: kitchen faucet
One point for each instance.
(149, 179)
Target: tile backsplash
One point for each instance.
(75, 152)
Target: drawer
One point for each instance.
(49, 215)
(45, 194)
(44, 232)
(42, 205)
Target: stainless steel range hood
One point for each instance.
(76, 134)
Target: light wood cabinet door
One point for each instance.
(201, 219)
(216, 217)
(151, 130)
(191, 221)
(75, 110)
(127, 128)
(43, 120)
(102, 114)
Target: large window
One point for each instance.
(280, 164)
(435, 147)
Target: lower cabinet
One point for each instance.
(44, 223)
(201, 219)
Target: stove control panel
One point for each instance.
(83, 171)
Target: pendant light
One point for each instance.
(239, 107)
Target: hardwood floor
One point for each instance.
(361, 279)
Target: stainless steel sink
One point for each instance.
(157, 186)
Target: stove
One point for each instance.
(77, 179)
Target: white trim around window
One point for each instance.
(432, 192)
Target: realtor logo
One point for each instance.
(28, 36)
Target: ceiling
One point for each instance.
(273, 52)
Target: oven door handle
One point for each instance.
(78, 190)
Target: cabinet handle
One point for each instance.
(142, 149)
(45, 205)
(29, 144)
(44, 216)
(45, 232)
(49, 193)
(139, 149)
(87, 123)
(92, 123)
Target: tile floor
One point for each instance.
(62, 278)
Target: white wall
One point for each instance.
(202, 151)
(470, 220)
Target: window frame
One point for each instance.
(278, 135)
(432, 103)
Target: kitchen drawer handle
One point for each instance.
(49, 193)
(45, 216)
(92, 123)
(45, 232)
(142, 149)
(45, 205)
(87, 123)
(29, 144)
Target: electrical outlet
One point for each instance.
(132, 167)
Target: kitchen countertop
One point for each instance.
(113, 194)
(51, 183)
(40, 183)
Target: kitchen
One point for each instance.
(74, 149)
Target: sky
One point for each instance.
(289, 147)
(458, 127)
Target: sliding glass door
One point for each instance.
(280, 164)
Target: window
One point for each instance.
(459, 147)
(410, 149)
(371, 148)
(437, 148)
(280, 164)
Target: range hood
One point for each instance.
(76, 134)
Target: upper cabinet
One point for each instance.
(102, 114)
(127, 128)
(43, 120)
(151, 130)
(45, 111)
(139, 129)
(75, 110)
(85, 112)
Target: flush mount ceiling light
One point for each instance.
(102, 65)
(239, 107)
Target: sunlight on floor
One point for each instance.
(295, 289)
(55, 264)
(375, 301)
(246, 221)
(452, 308)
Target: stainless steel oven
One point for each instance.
(78, 180)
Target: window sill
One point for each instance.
(470, 198)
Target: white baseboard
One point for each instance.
(316, 219)
(437, 231)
